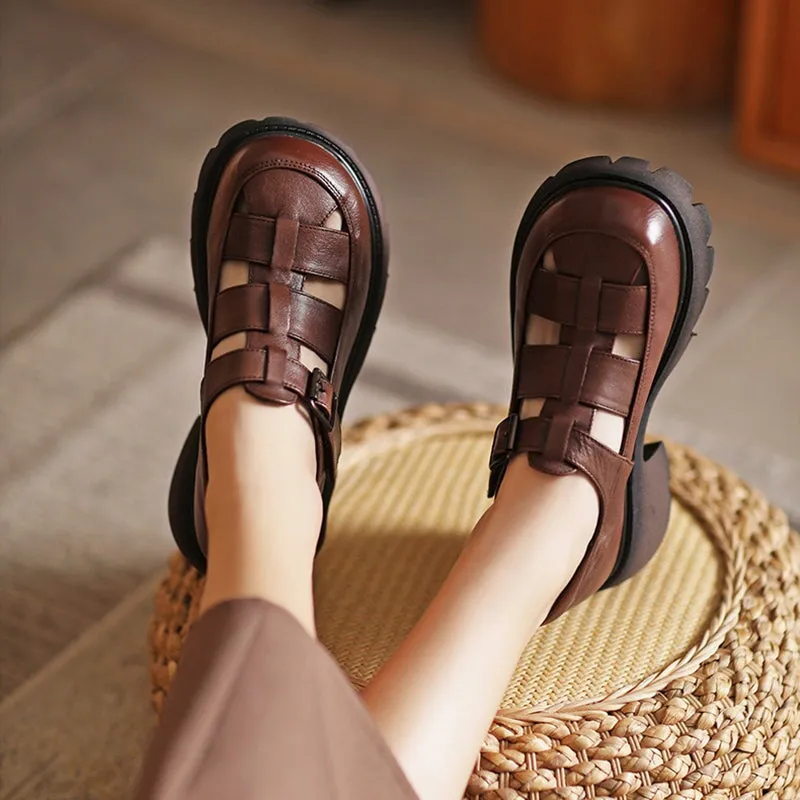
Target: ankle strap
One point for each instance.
(604, 467)
(269, 375)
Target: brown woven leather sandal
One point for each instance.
(631, 257)
(263, 196)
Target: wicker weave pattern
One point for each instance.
(720, 721)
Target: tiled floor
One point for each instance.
(106, 110)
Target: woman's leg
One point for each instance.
(258, 708)
(445, 682)
(263, 507)
(436, 697)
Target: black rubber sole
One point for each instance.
(693, 228)
(181, 495)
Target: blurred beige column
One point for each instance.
(647, 54)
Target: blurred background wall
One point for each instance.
(460, 110)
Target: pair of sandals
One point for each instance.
(631, 259)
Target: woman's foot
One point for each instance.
(289, 258)
(609, 278)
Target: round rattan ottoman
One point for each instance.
(682, 683)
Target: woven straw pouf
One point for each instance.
(682, 683)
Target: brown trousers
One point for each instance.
(259, 709)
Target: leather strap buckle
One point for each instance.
(505, 440)
(322, 399)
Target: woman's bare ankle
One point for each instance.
(544, 519)
(263, 507)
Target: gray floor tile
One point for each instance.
(60, 220)
(745, 258)
(64, 215)
(88, 522)
(746, 265)
(79, 728)
(41, 45)
(72, 203)
(91, 349)
(739, 400)
(426, 364)
(159, 269)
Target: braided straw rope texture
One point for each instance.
(682, 683)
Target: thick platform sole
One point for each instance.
(647, 496)
(181, 494)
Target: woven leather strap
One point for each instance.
(514, 435)
(312, 322)
(277, 316)
(320, 252)
(269, 366)
(621, 309)
(574, 378)
(608, 380)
